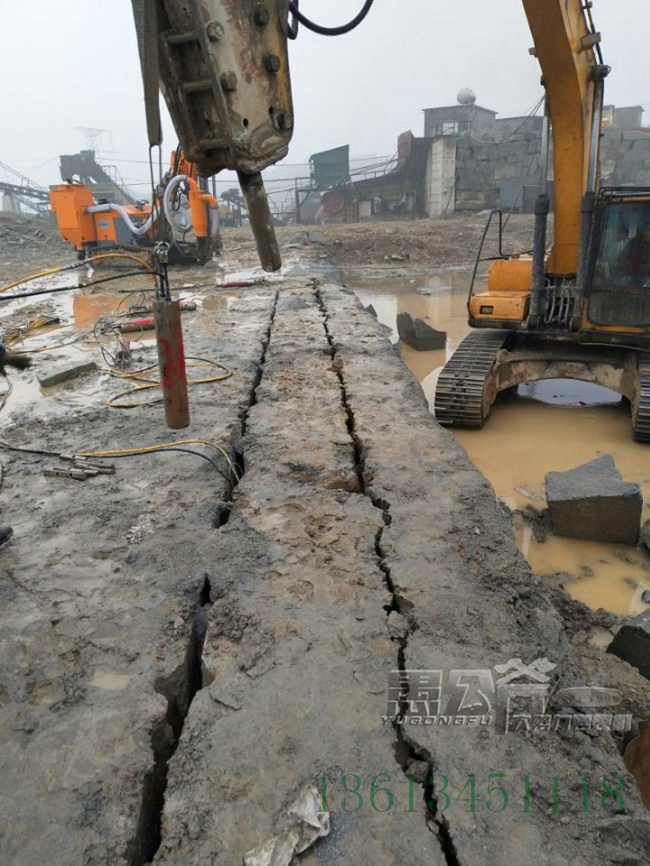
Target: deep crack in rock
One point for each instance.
(182, 685)
(358, 455)
(179, 688)
(406, 751)
(238, 462)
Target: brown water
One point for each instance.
(88, 308)
(546, 426)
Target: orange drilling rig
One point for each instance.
(183, 214)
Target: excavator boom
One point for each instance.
(572, 71)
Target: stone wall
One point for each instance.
(507, 173)
(625, 157)
(494, 174)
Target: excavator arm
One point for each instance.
(520, 289)
(566, 47)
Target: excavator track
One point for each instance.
(459, 392)
(641, 421)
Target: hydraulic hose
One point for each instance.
(138, 231)
(319, 28)
(167, 201)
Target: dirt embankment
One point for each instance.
(416, 243)
(30, 243)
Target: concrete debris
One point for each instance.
(418, 334)
(226, 700)
(398, 625)
(645, 534)
(317, 238)
(530, 494)
(418, 770)
(306, 824)
(373, 312)
(632, 643)
(24, 233)
(593, 502)
(64, 372)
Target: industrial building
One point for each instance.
(469, 159)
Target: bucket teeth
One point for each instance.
(459, 392)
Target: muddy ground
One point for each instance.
(185, 646)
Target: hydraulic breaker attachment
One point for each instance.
(223, 68)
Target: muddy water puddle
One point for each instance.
(75, 338)
(544, 426)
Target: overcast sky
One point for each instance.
(74, 63)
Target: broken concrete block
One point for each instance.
(594, 503)
(64, 372)
(632, 643)
(418, 334)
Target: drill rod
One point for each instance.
(252, 187)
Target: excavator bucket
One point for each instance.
(223, 68)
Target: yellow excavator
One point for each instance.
(580, 310)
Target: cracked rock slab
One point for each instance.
(98, 593)
(297, 638)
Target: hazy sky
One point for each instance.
(74, 63)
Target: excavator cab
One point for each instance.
(617, 295)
